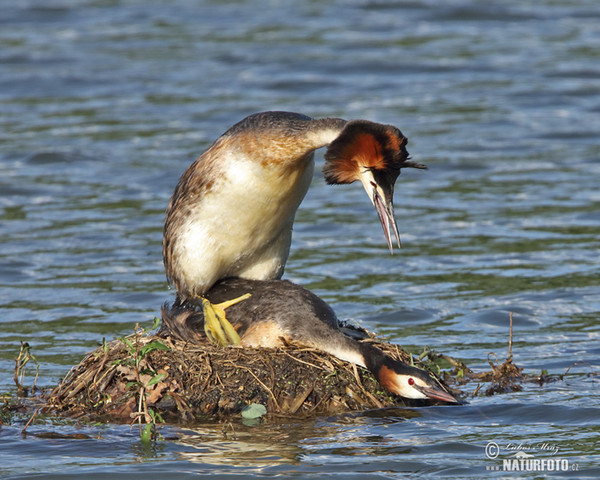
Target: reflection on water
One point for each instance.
(104, 104)
(234, 444)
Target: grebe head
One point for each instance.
(411, 382)
(374, 154)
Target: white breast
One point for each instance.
(242, 226)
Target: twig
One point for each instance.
(102, 363)
(20, 363)
(24, 431)
(141, 410)
(263, 385)
(364, 390)
(218, 379)
(494, 368)
(305, 363)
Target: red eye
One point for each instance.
(411, 381)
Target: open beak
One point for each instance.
(382, 197)
(436, 394)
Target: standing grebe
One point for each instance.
(279, 312)
(232, 212)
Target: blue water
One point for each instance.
(103, 104)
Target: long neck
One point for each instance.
(350, 350)
(374, 358)
(281, 137)
(321, 132)
(383, 367)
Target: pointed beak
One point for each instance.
(436, 394)
(382, 198)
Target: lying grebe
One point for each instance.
(232, 212)
(279, 312)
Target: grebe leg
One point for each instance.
(216, 326)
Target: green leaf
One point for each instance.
(158, 418)
(146, 349)
(157, 321)
(128, 344)
(147, 432)
(254, 410)
(156, 379)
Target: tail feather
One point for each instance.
(183, 321)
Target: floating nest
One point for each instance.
(146, 374)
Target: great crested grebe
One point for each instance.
(279, 312)
(232, 212)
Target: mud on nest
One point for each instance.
(181, 381)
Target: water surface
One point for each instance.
(103, 104)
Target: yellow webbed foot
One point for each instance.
(217, 327)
